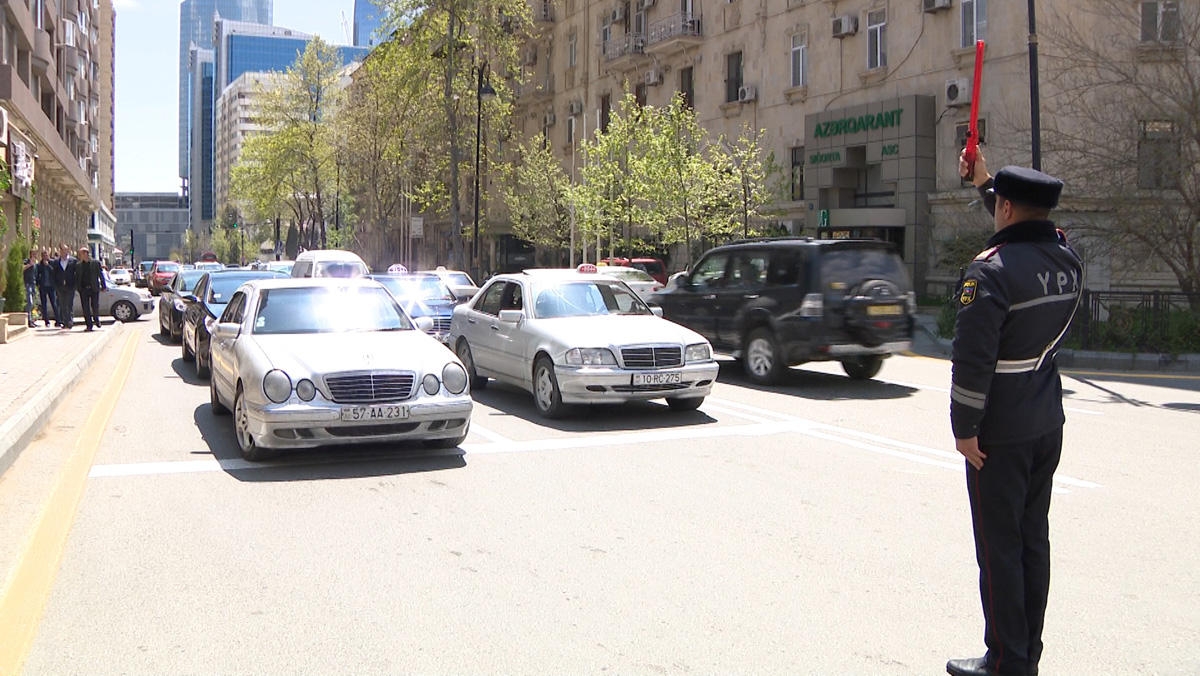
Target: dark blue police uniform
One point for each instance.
(1015, 304)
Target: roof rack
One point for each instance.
(789, 238)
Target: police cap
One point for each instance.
(1027, 186)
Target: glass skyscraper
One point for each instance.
(367, 20)
(196, 30)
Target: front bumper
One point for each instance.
(297, 424)
(613, 384)
(852, 350)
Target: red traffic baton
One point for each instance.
(972, 149)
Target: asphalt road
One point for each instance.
(820, 527)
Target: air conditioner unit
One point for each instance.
(575, 108)
(618, 14)
(844, 25)
(958, 91)
(548, 120)
(934, 5)
(747, 93)
(653, 77)
(646, 4)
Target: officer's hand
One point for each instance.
(977, 174)
(970, 450)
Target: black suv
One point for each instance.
(780, 302)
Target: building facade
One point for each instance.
(195, 31)
(367, 23)
(238, 116)
(56, 133)
(150, 225)
(865, 104)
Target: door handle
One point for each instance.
(750, 296)
(495, 327)
(711, 296)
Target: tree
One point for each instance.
(1125, 90)
(537, 192)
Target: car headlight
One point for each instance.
(454, 377)
(306, 390)
(697, 352)
(277, 386)
(430, 384)
(591, 356)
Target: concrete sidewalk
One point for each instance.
(37, 370)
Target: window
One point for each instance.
(1158, 154)
(687, 87)
(602, 114)
(799, 60)
(974, 21)
(733, 76)
(877, 39)
(639, 94)
(1160, 21)
(798, 173)
(572, 50)
(571, 130)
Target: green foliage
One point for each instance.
(537, 193)
(14, 288)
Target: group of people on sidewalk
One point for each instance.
(57, 280)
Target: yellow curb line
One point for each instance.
(24, 598)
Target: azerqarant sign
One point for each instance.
(855, 124)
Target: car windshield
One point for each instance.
(628, 275)
(187, 280)
(222, 286)
(328, 310)
(458, 279)
(341, 269)
(423, 288)
(588, 298)
(843, 269)
(168, 267)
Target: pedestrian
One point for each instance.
(91, 283)
(29, 276)
(65, 282)
(45, 287)
(1015, 304)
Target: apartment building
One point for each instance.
(238, 116)
(865, 103)
(56, 103)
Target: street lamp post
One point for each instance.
(1035, 123)
(482, 89)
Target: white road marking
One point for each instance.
(946, 390)
(767, 423)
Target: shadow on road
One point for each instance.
(351, 461)
(816, 385)
(512, 401)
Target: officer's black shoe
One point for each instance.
(971, 666)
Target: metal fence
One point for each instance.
(1136, 321)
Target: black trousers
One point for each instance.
(64, 313)
(1010, 506)
(90, 300)
(49, 300)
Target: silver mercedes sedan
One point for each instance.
(309, 361)
(573, 337)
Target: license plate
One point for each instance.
(657, 378)
(373, 413)
(881, 310)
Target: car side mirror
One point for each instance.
(227, 330)
(189, 297)
(423, 323)
(511, 316)
(656, 310)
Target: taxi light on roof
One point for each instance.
(586, 268)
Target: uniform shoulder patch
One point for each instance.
(967, 294)
(987, 253)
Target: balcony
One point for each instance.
(535, 89)
(543, 11)
(626, 52)
(43, 53)
(674, 34)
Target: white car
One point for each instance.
(121, 276)
(459, 282)
(306, 362)
(122, 303)
(639, 280)
(573, 337)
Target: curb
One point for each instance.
(24, 425)
(1105, 361)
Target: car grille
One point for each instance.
(652, 357)
(441, 324)
(370, 388)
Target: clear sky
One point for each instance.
(147, 73)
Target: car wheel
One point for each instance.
(681, 404)
(762, 361)
(202, 369)
(545, 389)
(124, 311)
(214, 400)
(464, 355)
(188, 355)
(241, 428)
(862, 368)
(163, 329)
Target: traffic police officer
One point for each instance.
(1015, 304)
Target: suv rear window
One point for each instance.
(842, 269)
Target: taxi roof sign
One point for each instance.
(586, 268)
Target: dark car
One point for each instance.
(776, 303)
(171, 304)
(141, 274)
(161, 274)
(423, 295)
(204, 304)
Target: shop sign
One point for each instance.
(855, 124)
(827, 157)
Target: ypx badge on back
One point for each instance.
(968, 291)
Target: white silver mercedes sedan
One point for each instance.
(578, 337)
(307, 362)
